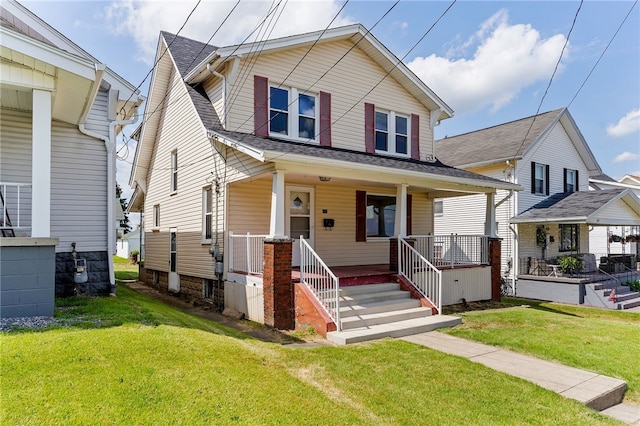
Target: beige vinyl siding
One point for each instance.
(528, 247)
(181, 130)
(348, 82)
(250, 207)
(214, 89)
(557, 151)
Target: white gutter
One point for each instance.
(110, 144)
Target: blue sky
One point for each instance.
(490, 61)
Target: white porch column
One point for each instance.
(490, 218)
(276, 226)
(41, 165)
(401, 211)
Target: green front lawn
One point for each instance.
(165, 366)
(599, 340)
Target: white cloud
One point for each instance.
(507, 58)
(626, 156)
(628, 124)
(143, 20)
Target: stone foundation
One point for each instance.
(97, 273)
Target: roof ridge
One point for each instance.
(503, 124)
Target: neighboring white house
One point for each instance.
(604, 241)
(548, 156)
(61, 111)
(130, 242)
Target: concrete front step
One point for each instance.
(359, 299)
(388, 317)
(394, 329)
(377, 307)
(368, 288)
(626, 413)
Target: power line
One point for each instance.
(566, 42)
(603, 52)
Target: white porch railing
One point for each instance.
(246, 253)
(423, 275)
(453, 250)
(15, 200)
(324, 285)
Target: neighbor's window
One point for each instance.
(156, 215)
(570, 180)
(569, 237)
(540, 176)
(174, 171)
(381, 215)
(392, 133)
(438, 208)
(207, 210)
(293, 113)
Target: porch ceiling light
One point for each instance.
(324, 178)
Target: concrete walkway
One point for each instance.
(599, 392)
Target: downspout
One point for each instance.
(110, 144)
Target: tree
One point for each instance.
(124, 223)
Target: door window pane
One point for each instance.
(299, 204)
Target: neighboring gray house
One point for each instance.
(61, 110)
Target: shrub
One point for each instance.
(570, 264)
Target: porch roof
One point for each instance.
(267, 149)
(601, 207)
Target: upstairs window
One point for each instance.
(539, 179)
(391, 133)
(570, 180)
(293, 113)
(174, 171)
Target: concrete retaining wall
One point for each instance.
(27, 277)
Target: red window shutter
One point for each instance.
(361, 216)
(415, 136)
(370, 127)
(409, 202)
(325, 119)
(260, 105)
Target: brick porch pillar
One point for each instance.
(393, 252)
(279, 309)
(495, 251)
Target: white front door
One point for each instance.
(299, 218)
(174, 278)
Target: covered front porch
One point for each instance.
(339, 233)
(555, 260)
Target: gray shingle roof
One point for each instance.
(568, 205)
(187, 52)
(182, 50)
(498, 142)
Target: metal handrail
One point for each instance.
(14, 200)
(422, 274)
(453, 249)
(324, 284)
